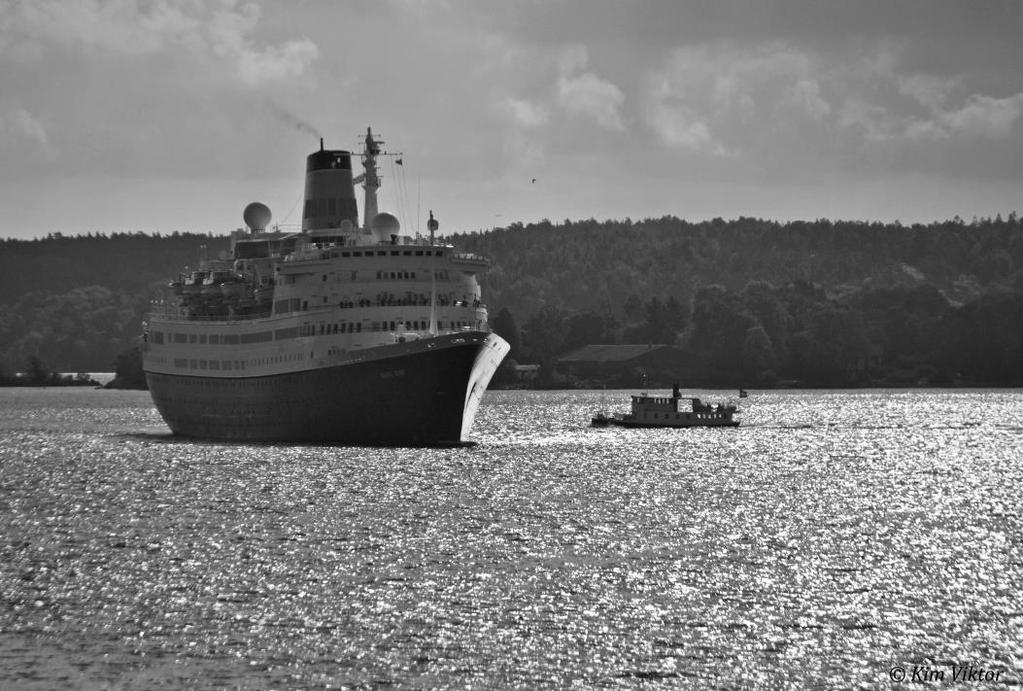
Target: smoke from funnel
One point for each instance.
(289, 119)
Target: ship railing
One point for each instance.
(319, 244)
(208, 319)
(173, 312)
(469, 258)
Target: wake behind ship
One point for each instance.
(341, 333)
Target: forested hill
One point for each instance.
(123, 262)
(750, 301)
(75, 303)
(836, 303)
(597, 266)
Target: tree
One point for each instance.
(757, 362)
(128, 370)
(584, 329)
(36, 374)
(718, 333)
(543, 335)
(504, 325)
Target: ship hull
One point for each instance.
(423, 393)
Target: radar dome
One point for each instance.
(257, 216)
(384, 225)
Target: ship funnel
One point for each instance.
(257, 216)
(329, 190)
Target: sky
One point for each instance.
(172, 115)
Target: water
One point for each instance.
(833, 539)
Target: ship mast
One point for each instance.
(433, 225)
(370, 180)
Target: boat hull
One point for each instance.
(422, 393)
(671, 425)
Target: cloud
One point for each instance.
(276, 63)
(859, 105)
(681, 129)
(525, 113)
(712, 98)
(18, 125)
(218, 31)
(928, 90)
(805, 95)
(867, 121)
(587, 94)
(979, 117)
(983, 116)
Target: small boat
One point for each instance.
(662, 411)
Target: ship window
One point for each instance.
(419, 253)
(413, 275)
(381, 253)
(180, 362)
(158, 337)
(395, 253)
(392, 326)
(202, 339)
(356, 254)
(214, 364)
(440, 253)
(358, 327)
(324, 277)
(392, 275)
(230, 339)
(226, 364)
(429, 253)
(192, 338)
(215, 339)
(407, 253)
(191, 364)
(346, 254)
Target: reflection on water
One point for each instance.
(832, 537)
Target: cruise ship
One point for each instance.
(341, 333)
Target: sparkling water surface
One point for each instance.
(834, 538)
